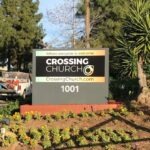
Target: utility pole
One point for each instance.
(87, 23)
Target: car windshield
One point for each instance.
(2, 86)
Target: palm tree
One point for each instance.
(137, 33)
(125, 60)
(135, 46)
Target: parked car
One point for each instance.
(27, 91)
(6, 92)
(20, 82)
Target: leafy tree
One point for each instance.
(1, 30)
(106, 21)
(21, 29)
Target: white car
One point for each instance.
(27, 91)
(20, 82)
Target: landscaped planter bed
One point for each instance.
(112, 129)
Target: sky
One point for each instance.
(53, 32)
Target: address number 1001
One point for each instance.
(70, 88)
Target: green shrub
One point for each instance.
(44, 130)
(57, 116)
(46, 143)
(10, 108)
(37, 115)
(33, 143)
(123, 89)
(65, 134)
(72, 115)
(84, 114)
(48, 118)
(35, 134)
(28, 116)
(82, 141)
(55, 133)
(17, 117)
(75, 131)
(70, 143)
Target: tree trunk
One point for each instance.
(141, 75)
(19, 62)
(8, 57)
(144, 95)
(87, 23)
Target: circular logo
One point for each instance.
(88, 70)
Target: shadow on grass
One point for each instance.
(119, 118)
(133, 106)
(102, 144)
(138, 127)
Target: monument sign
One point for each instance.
(70, 76)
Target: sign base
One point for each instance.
(52, 109)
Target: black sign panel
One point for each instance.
(70, 66)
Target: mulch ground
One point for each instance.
(138, 120)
